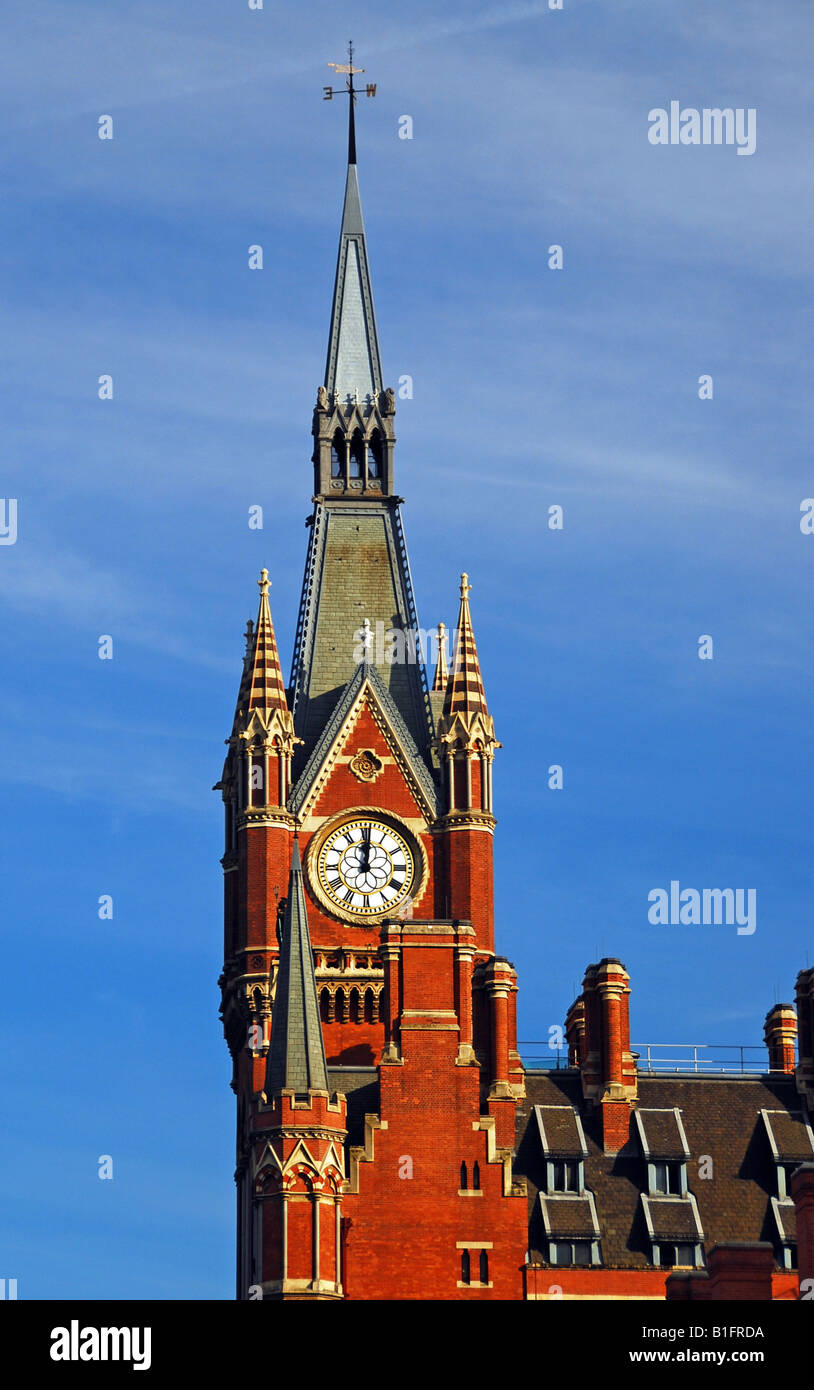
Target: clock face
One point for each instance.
(366, 867)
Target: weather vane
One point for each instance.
(349, 71)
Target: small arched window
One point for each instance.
(484, 1267)
(357, 454)
(337, 455)
(465, 1274)
(476, 1176)
(463, 1177)
(375, 463)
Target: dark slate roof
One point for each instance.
(661, 1133)
(671, 1218)
(296, 1058)
(560, 1131)
(789, 1136)
(785, 1215)
(569, 1217)
(357, 567)
(722, 1121)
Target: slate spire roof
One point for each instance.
(296, 1059)
(353, 369)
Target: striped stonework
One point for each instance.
(262, 686)
(464, 691)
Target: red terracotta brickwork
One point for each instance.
(409, 1220)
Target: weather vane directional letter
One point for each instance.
(349, 71)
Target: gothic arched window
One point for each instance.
(357, 454)
(375, 463)
(484, 1267)
(476, 1176)
(463, 1177)
(465, 1274)
(337, 455)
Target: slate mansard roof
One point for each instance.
(724, 1120)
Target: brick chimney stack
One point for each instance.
(780, 1034)
(598, 1032)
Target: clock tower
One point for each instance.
(370, 1023)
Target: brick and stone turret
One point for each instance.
(255, 786)
(780, 1034)
(294, 1171)
(465, 746)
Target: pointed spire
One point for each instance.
(261, 687)
(353, 363)
(464, 692)
(296, 1059)
(442, 666)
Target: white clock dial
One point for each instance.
(366, 867)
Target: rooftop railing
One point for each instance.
(699, 1058)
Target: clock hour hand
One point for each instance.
(366, 849)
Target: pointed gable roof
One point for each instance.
(353, 363)
(296, 1059)
(366, 682)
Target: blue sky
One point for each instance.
(531, 387)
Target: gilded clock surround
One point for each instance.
(385, 818)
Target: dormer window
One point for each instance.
(791, 1140)
(670, 1210)
(667, 1178)
(565, 1175)
(567, 1207)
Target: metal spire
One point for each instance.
(353, 369)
